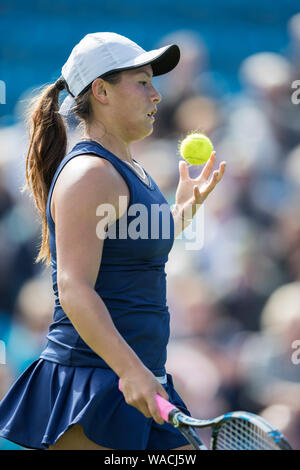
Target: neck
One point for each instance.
(113, 144)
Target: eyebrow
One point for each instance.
(145, 72)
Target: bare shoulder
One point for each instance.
(85, 172)
(88, 177)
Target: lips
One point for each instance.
(151, 114)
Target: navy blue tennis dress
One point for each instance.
(70, 384)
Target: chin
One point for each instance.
(142, 135)
(150, 130)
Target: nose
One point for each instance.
(156, 97)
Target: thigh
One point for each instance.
(75, 439)
(166, 437)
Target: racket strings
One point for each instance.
(238, 434)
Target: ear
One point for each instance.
(99, 90)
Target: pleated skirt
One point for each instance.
(48, 398)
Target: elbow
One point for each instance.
(64, 290)
(67, 291)
(70, 291)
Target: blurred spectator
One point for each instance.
(286, 419)
(294, 31)
(268, 77)
(193, 62)
(196, 113)
(24, 333)
(183, 83)
(271, 376)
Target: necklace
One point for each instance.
(143, 176)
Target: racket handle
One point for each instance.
(164, 406)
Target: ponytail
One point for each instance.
(47, 147)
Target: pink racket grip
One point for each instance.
(164, 406)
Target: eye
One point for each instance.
(143, 83)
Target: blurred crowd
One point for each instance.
(234, 302)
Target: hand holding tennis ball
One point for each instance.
(196, 148)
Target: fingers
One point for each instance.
(208, 166)
(206, 172)
(154, 411)
(146, 402)
(212, 183)
(153, 408)
(183, 170)
(198, 196)
(201, 194)
(222, 168)
(217, 176)
(141, 403)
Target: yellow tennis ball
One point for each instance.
(196, 148)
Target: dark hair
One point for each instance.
(48, 145)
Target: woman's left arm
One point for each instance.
(191, 193)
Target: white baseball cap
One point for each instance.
(98, 54)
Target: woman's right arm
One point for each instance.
(84, 184)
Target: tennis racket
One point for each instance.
(238, 430)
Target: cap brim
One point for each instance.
(162, 60)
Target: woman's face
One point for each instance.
(131, 101)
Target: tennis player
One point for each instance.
(111, 320)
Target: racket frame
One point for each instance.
(186, 423)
